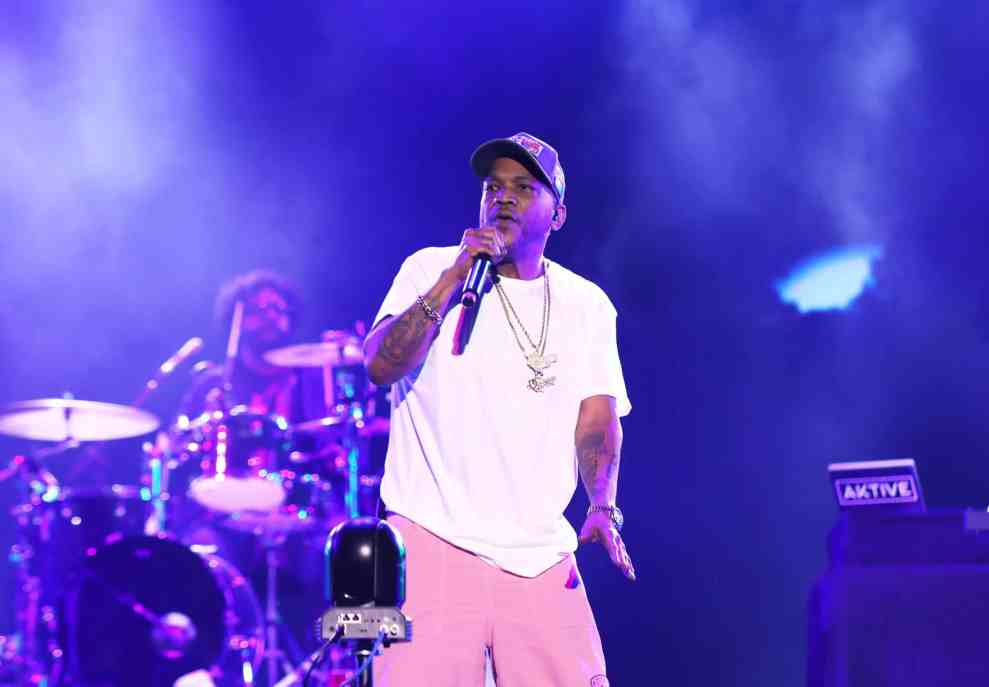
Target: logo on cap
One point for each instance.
(530, 144)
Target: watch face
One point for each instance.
(617, 518)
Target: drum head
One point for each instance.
(231, 494)
(148, 611)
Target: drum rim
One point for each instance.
(64, 495)
(117, 490)
(208, 417)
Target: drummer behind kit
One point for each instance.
(108, 593)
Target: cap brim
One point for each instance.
(485, 155)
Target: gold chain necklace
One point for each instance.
(536, 360)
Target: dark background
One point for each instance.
(150, 151)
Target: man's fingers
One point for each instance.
(493, 247)
(619, 556)
(625, 561)
(484, 240)
(499, 243)
(612, 544)
(588, 535)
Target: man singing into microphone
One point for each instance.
(488, 434)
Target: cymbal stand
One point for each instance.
(35, 612)
(351, 444)
(155, 487)
(22, 652)
(233, 350)
(345, 389)
(275, 627)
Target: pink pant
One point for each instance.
(540, 630)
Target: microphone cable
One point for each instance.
(320, 654)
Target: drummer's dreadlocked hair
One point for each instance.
(243, 286)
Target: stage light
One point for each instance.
(832, 281)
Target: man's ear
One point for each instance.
(559, 217)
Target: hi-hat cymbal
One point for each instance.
(345, 351)
(60, 419)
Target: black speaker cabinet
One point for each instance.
(904, 603)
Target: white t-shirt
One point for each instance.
(474, 455)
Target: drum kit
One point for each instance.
(111, 591)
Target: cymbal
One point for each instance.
(60, 419)
(334, 426)
(347, 350)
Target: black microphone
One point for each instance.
(474, 285)
(189, 348)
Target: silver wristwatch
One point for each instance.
(614, 512)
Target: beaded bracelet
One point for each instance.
(428, 309)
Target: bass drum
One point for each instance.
(148, 611)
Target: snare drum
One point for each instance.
(311, 501)
(148, 610)
(239, 455)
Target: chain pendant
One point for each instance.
(539, 382)
(535, 360)
(538, 362)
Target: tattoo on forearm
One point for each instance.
(595, 452)
(405, 336)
